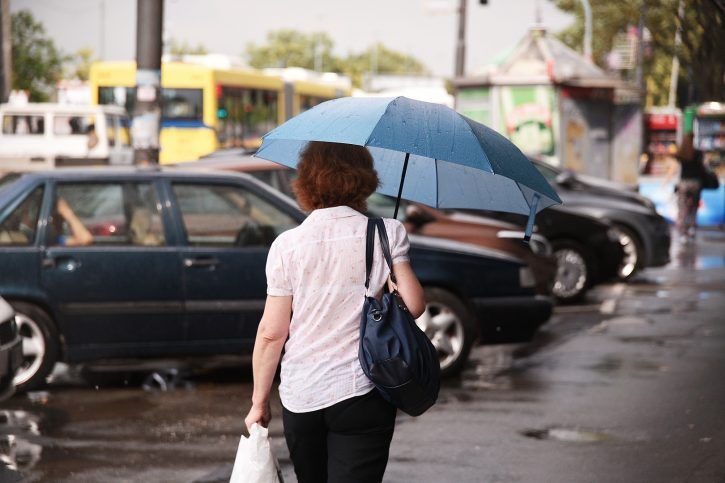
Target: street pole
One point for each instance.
(102, 30)
(587, 29)
(675, 74)
(640, 47)
(147, 110)
(6, 62)
(461, 41)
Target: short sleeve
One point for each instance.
(399, 242)
(278, 283)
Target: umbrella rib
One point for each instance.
(435, 164)
(367, 140)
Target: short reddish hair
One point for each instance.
(334, 174)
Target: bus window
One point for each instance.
(118, 96)
(176, 104)
(23, 124)
(245, 115)
(182, 104)
(308, 102)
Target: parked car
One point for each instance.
(588, 251)
(418, 218)
(644, 234)
(11, 350)
(175, 262)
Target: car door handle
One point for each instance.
(201, 262)
(68, 264)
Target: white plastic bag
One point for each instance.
(255, 462)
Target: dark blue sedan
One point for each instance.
(150, 263)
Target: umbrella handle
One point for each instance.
(400, 188)
(532, 216)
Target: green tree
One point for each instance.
(178, 49)
(380, 60)
(37, 62)
(701, 52)
(292, 48)
(80, 64)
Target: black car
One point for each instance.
(587, 251)
(11, 349)
(645, 234)
(144, 263)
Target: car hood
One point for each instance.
(462, 248)
(596, 192)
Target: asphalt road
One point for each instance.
(627, 387)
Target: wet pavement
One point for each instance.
(626, 387)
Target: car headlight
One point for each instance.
(526, 278)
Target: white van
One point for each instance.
(43, 136)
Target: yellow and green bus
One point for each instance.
(205, 109)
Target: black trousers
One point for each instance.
(346, 442)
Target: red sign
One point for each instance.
(662, 122)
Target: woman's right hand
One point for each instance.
(260, 413)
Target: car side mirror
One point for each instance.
(417, 216)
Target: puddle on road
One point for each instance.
(18, 430)
(612, 364)
(568, 435)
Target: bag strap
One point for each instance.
(378, 223)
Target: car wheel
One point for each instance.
(573, 273)
(450, 326)
(40, 346)
(632, 248)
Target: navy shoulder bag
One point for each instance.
(394, 353)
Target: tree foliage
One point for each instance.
(37, 62)
(80, 64)
(379, 59)
(292, 48)
(701, 52)
(180, 48)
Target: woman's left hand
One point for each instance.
(260, 413)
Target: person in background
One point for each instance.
(337, 425)
(692, 169)
(92, 141)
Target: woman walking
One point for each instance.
(692, 170)
(337, 426)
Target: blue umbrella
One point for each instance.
(423, 152)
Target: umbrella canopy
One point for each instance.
(423, 152)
